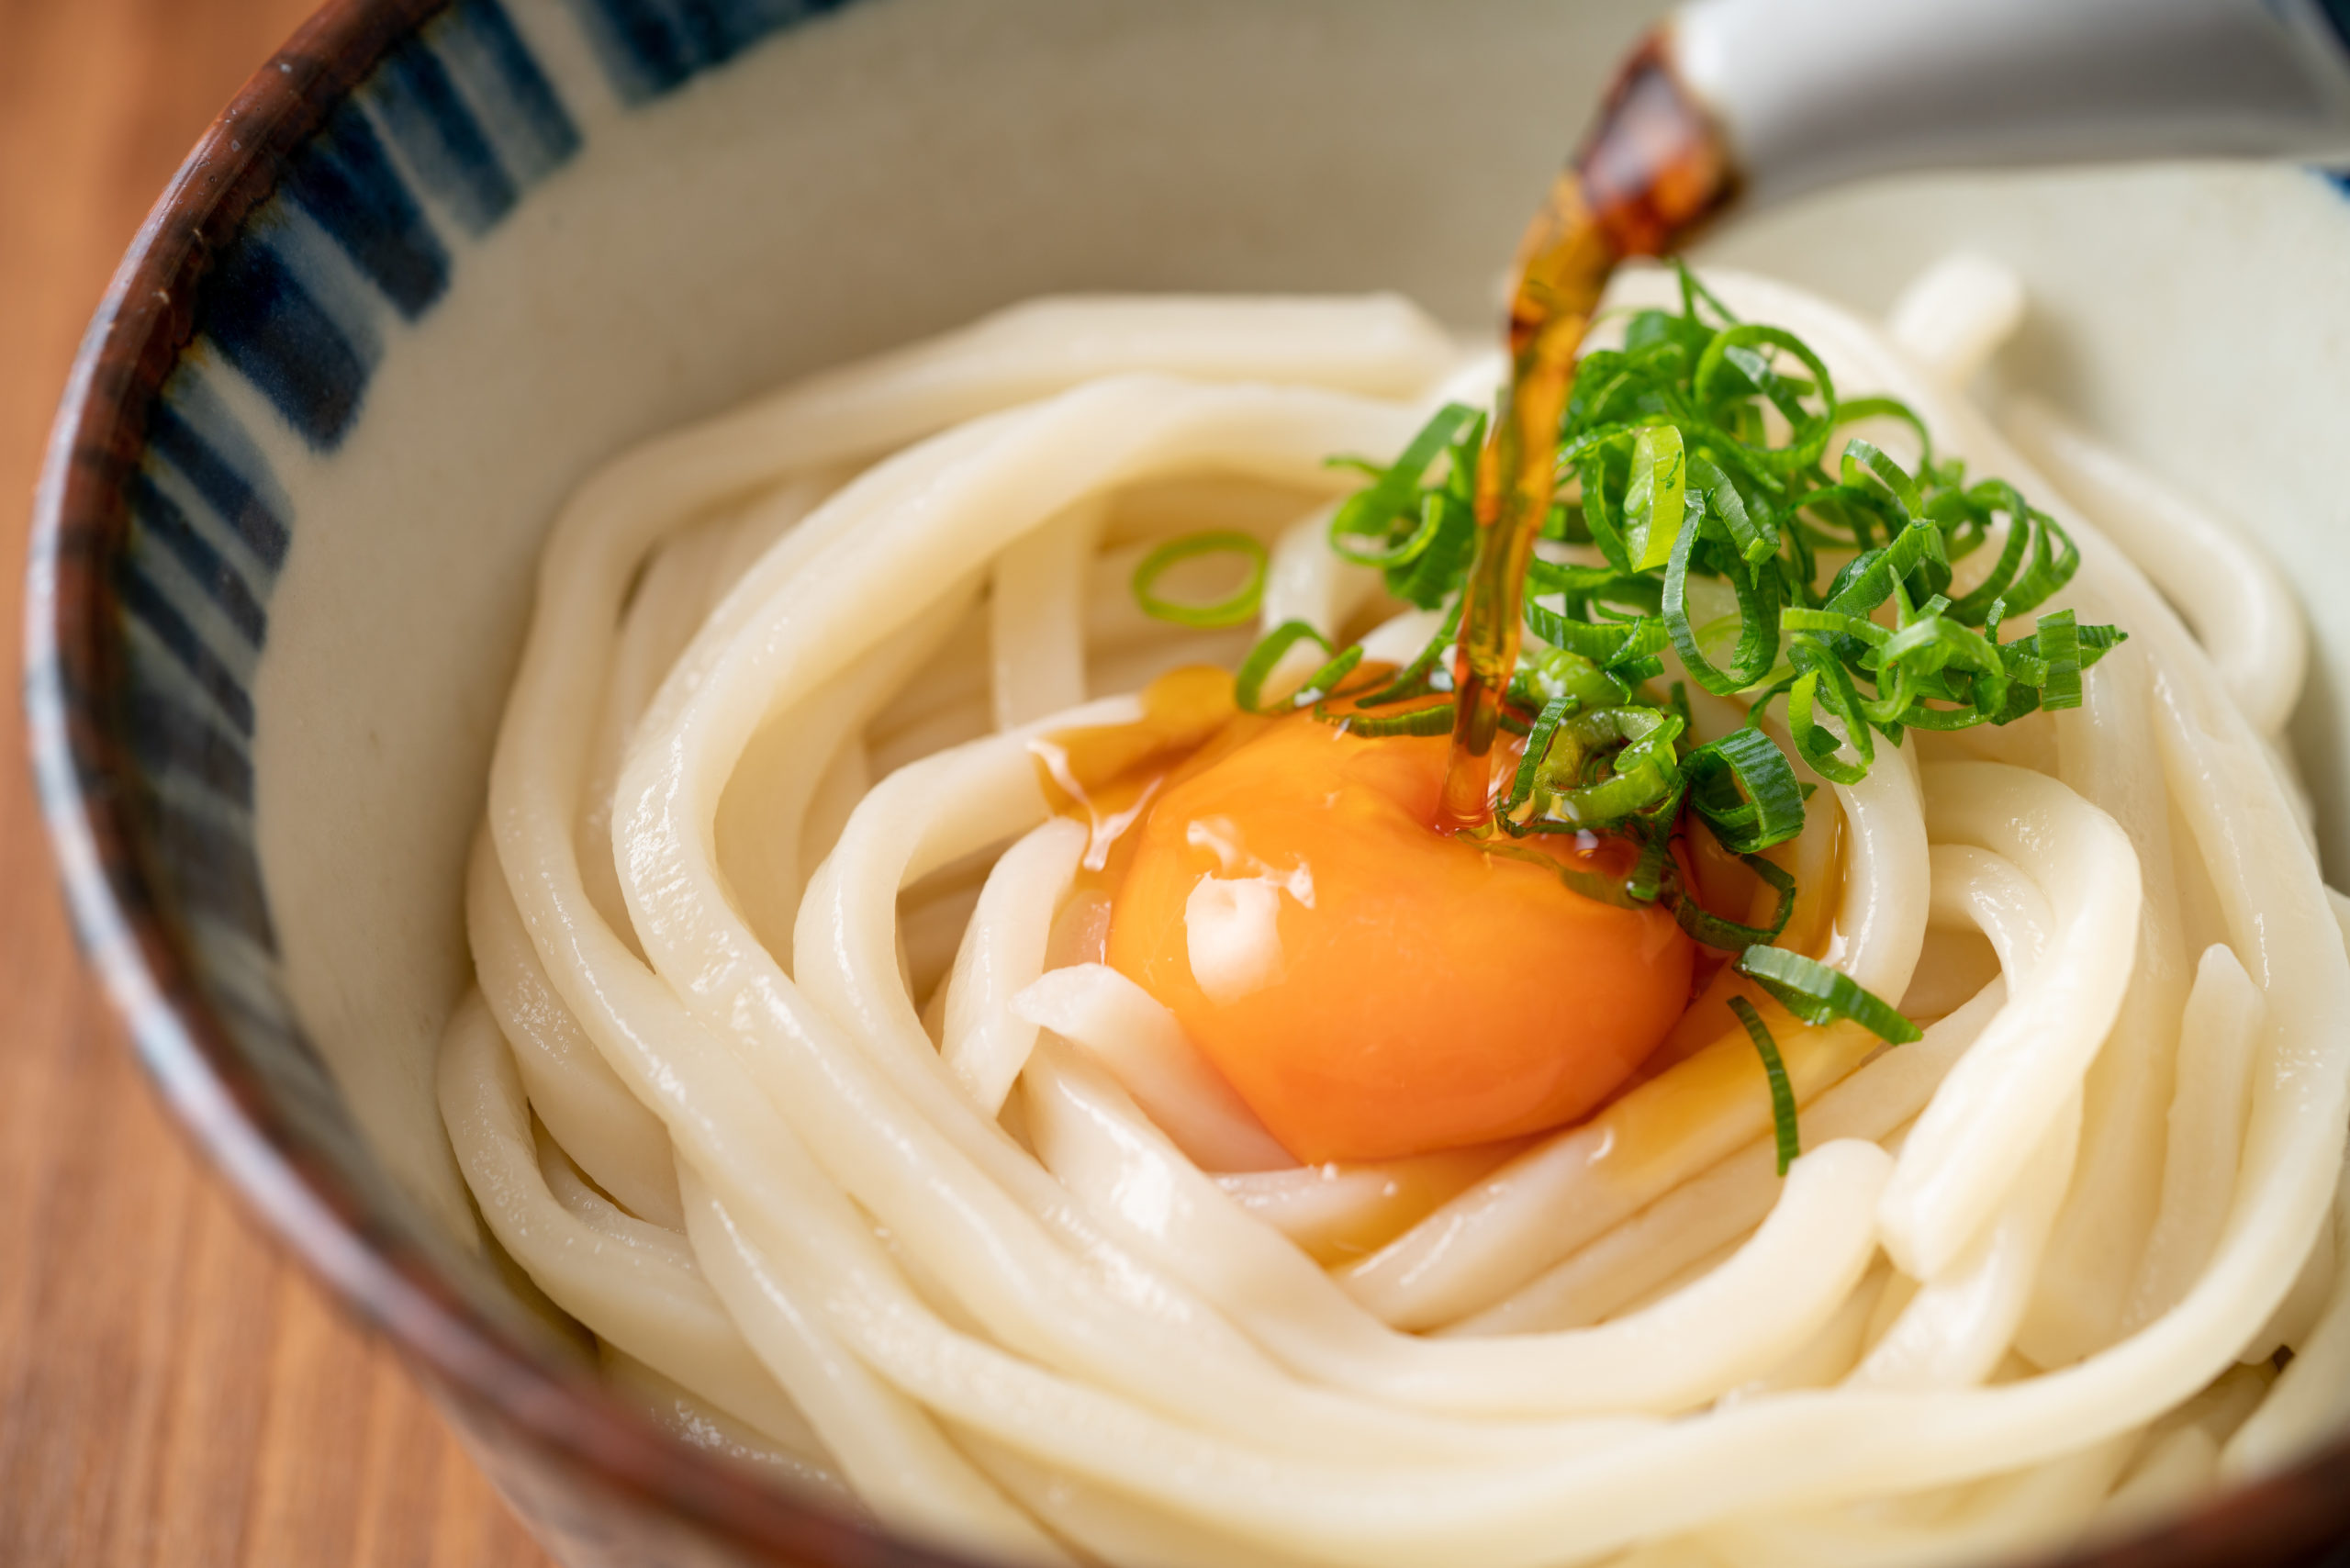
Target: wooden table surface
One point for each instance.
(173, 1390)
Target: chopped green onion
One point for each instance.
(1865, 461)
(1751, 532)
(1853, 411)
(1545, 675)
(1610, 645)
(1746, 791)
(2059, 640)
(1248, 681)
(1589, 884)
(1818, 994)
(1428, 670)
(1735, 937)
(1759, 602)
(1734, 352)
(1435, 721)
(1654, 501)
(1325, 681)
(1823, 681)
(1633, 745)
(1415, 543)
(1834, 624)
(1228, 611)
(1538, 747)
(1395, 496)
(1436, 573)
(1693, 289)
(1674, 490)
(1874, 576)
(1655, 866)
(1774, 1071)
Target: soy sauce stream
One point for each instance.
(1654, 170)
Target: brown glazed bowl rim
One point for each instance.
(133, 940)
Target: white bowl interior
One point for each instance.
(897, 167)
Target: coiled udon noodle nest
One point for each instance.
(758, 1082)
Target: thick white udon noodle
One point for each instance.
(2026, 1282)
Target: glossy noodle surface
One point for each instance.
(1072, 1126)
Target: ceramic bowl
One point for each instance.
(439, 259)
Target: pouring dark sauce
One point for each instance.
(1383, 935)
(1654, 169)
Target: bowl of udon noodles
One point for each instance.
(704, 683)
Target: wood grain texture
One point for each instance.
(172, 1389)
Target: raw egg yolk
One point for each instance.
(1372, 988)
